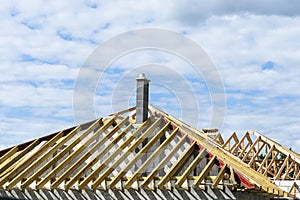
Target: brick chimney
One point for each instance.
(142, 98)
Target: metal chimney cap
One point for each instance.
(142, 76)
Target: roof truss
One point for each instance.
(161, 153)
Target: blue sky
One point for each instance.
(254, 46)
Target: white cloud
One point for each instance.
(195, 11)
(43, 44)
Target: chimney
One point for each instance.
(142, 98)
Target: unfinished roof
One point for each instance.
(115, 153)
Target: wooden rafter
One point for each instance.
(296, 171)
(192, 166)
(284, 164)
(21, 167)
(58, 156)
(271, 163)
(75, 153)
(266, 158)
(256, 154)
(139, 155)
(281, 148)
(236, 146)
(288, 170)
(117, 152)
(231, 160)
(245, 147)
(101, 154)
(179, 162)
(227, 144)
(151, 158)
(251, 150)
(297, 176)
(115, 164)
(175, 167)
(20, 155)
(18, 176)
(219, 139)
(205, 171)
(232, 178)
(219, 177)
(84, 157)
(10, 153)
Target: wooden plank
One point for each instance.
(270, 173)
(219, 139)
(271, 163)
(32, 159)
(76, 165)
(192, 166)
(130, 149)
(227, 143)
(278, 175)
(266, 158)
(123, 111)
(139, 155)
(20, 155)
(58, 156)
(222, 154)
(278, 146)
(8, 154)
(25, 162)
(291, 165)
(296, 170)
(251, 148)
(297, 176)
(150, 159)
(232, 178)
(219, 177)
(293, 190)
(175, 167)
(182, 124)
(256, 154)
(249, 143)
(235, 147)
(24, 145)
(119, 150)
(75, 153)
(83, 158)
(101, 154)
(205, 171)
(10, 168)
(231, 160)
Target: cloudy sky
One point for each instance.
(255, 48)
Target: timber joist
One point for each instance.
(162, 153)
